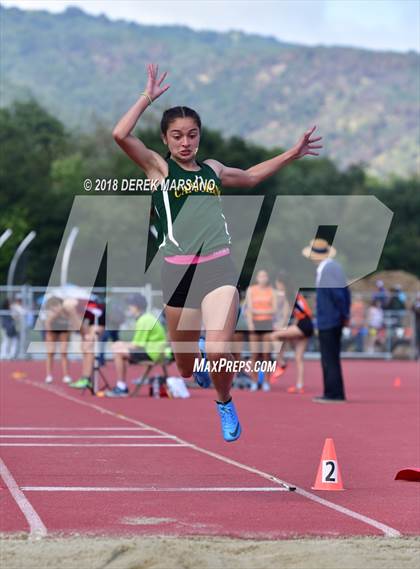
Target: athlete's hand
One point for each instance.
(153, 87)
(306, 144)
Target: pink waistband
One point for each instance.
(195, 259)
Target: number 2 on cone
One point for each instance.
(329, 469)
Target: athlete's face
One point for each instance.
(183, 139)
(280, 287)
(133, 310)
(262, 278)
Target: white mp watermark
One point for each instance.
(120, 229)
(223, 364)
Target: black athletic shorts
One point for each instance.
(306, 326)
(135, 356)
(177, 279)
(262, 326)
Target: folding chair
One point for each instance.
(163, 362)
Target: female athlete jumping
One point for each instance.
(199, 279)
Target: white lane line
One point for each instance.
(85, 437)
(149, 489)
(75, 429)
(36, 527)
(387, 530)
(101, 445)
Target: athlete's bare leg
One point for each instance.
(88, 349)
(64, 340)
(300, 347)
(296, 334)
(290, 333)
(266, 349)
(281, 360)
(220, 310)
(50, 345)
(120, 354)
(256, 352)
(238, 339)
(188, 335)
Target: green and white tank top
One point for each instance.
(189, 213)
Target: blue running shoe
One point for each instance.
(202, 378)
(202, 346)
(117, 392)
(231, 428)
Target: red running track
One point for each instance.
(180, 478)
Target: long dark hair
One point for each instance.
(177, 113)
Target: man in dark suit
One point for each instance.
(333, 312)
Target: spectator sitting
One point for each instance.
(416, 311)
(357, 321)
(396, 304)
(148, 344)
(9, 342)
(375, 322)
(401, 294)
(381, 294)
(397, 300)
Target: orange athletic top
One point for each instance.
(301, 309)
(262, 299)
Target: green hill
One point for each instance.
(85, 69)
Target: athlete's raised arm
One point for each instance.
(148, 160)
(238, 178)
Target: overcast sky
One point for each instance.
(373, 24)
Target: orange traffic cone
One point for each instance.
(397, 382)
(328, 476)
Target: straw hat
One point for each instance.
(318, 250)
